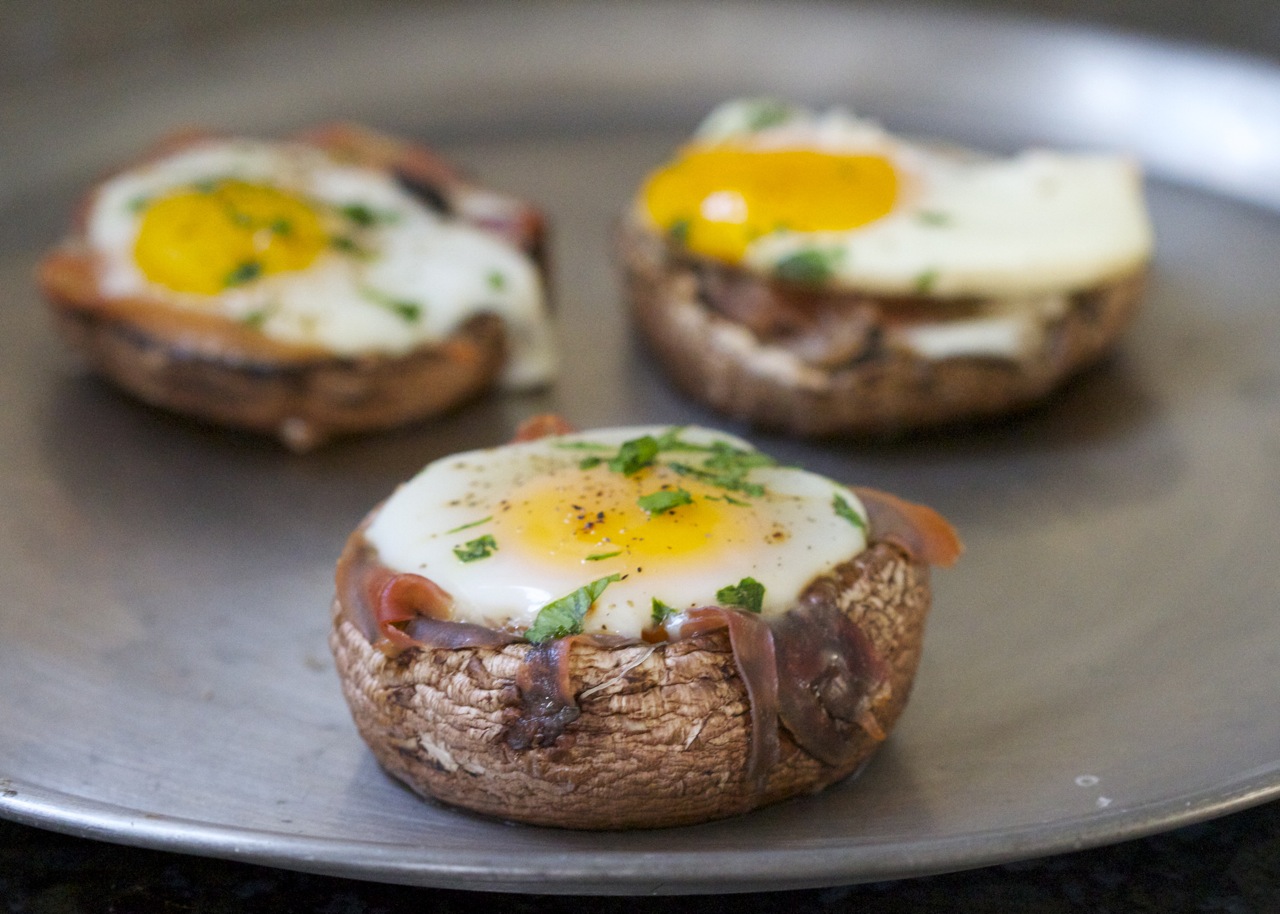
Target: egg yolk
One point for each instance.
(210, 238)
(587, 516)
(717, 200)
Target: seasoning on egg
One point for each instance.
(659, 513)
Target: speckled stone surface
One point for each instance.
(1228, 866)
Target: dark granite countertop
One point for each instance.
(1229, 865)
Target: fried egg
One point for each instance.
(832, 199)
(310, 251)
(640, 524)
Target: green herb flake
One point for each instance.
(845, 510)
(497, 280)
(347, 246)
(587, 463)
(564, 616)
(662, 612)
(246, 272)
(138, 203)
(409, 311)
(474, 523)
(811, 265)
(934, 218)
(581, 446)
(281, 227)
(406, 310)
(256, 318)
(670, 441)
(767, 112)
(726, 457)
(365, 216)
(747, 594)
(634, 455)
(476, 549)
(601, 556)
(728, 467)
(664, 500)
(678, 230)
(926, 281)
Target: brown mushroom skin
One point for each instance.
(719, 332)
(219, 371)
(600, 733)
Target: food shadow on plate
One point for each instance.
(1098, 441)
(138, 468)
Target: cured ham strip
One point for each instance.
(546, 695)
(922, 532)
(754, 656)
(827, 671)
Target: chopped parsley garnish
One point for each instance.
(497, 280)
(237, 217)
(634, 455)
(678, 231)
(406, 310)
(347, 246)
(670, 441)
(845, 510)
(767, 112)
(246, 272)
(256, 318)
(564, 616)
(728, 499)
(601, 556)
(664, 500)
(662, 612)
(474, 523)
(587, 462)
(727, 468)
(926, 281)
(934, 218)
(733, 481)
(138, 203)
(581, 446)
(476, 549)
(281, 227)
(732, 459)
(725, 465)
(747, 594)
(811, 265)
(366, 216)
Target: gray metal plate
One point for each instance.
(1104, 663)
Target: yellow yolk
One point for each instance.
(718, 200)
(209, 239)
(586, 516)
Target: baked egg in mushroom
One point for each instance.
(335, 282)
(813, 272)
(532, 631)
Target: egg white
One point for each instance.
(964, 225)
(448, 503)
(339, 302)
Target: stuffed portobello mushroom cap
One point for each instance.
(729, 711)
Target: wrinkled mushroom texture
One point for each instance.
(591, 732)
(817, 362)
